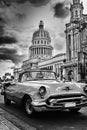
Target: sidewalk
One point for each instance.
(10, 122)
(6, 125)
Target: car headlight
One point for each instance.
(42, 91)
(85, 89)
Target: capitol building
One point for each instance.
(71, 64)
(41, 48)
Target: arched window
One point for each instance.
(41, 42)
(44, 34)
(38, 35)
(45, 42)
(80, 13)
(76, 13)
(41, 34)
(71, 14)
(69, 42)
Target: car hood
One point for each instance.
(56, 87)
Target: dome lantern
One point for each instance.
(41, 25)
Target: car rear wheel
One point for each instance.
(28, 106)
(74, 110)
(6, 100)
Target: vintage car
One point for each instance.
(41, 91)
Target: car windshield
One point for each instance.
(38, 75)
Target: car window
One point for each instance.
(36, 75)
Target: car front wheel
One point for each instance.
(28, 107)
(6, 100)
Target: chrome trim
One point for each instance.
(63, 99)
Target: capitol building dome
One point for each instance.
(41, 44)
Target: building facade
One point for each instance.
(76, 43)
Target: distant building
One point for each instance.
(76, 43)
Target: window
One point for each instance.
(45, 42)
(80, 13)
(41, 42)
(76, 13)
(38, 42)
(41, 34)
(69, 40)
(38, 35)
(71, 14)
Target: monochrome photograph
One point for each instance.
(43, 64)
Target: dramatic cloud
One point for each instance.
(20, 16)
(33, 2)
(11, 54)
(2, 20)
(7, 40)
(39, 2)
(60, 10)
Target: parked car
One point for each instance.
(41, 91)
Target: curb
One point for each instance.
(6, 125)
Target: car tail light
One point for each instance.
(42, 91)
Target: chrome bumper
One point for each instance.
(43, 106)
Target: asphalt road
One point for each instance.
(45, 120)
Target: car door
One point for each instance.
(10, 90)
(18, 93)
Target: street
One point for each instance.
(46, 120)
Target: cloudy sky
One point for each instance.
(20, 18)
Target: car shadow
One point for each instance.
(51, 117)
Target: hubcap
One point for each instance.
(28, 107)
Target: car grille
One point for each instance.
(59, 100)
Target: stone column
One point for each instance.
(54, 68)
(41, 50)
(47, 51)
(44, 50)
(37, 50)
(34, 51)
